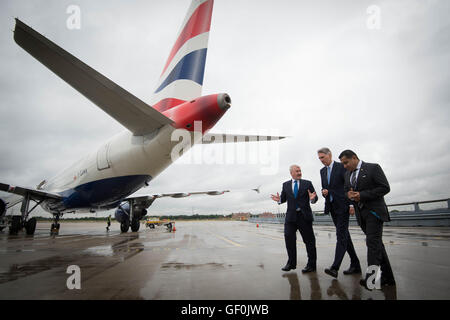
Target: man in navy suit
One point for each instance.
(366, 185)
(336, 203)
(298, 193)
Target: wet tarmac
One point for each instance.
(211, 260)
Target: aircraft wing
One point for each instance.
(233, 138)
(34, 193)
(131, 112)
(146, 200)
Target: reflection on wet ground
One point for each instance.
(212, 260)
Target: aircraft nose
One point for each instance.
(224, 101)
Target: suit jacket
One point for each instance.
(372, 186)
(302, 200)
(335, 188)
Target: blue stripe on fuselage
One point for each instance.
(103, 192)
(191, 67)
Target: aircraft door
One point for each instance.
(102, 158)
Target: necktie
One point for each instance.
(328, 174)
(295, 188)
(328, 178)
(353, 179)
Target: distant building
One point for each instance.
(242, 216)
(267, 215)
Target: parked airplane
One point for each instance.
(106, 178)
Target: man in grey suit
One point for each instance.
(365, 186)
(298, 193)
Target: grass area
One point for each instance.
(171, 217)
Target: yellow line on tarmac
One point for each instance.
(225, 239)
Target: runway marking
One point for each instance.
(225, 239)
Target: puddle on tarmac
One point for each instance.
(17, 271)
(104, 251)
(179, 265)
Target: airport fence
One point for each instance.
(429, 213)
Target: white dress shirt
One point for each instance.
(358, 168)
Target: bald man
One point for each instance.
(298, 193)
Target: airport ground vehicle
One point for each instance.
(153, 222)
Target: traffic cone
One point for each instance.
(174, 229)
(257, 225)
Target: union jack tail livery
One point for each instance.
(182, 76)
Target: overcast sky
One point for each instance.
(323, 72)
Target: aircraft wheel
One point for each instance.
(169, 227)
(16, 225)
(152, 226)
(30, 226)
(135, 225)
(124, 226)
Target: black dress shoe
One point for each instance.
(383, 282)
(363, 282)
(288, 267)
(353, 270)
(309, 269)
(332, 272)
(387, 282)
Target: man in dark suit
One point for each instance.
(298, 193)
(337, 203)
(366, 185)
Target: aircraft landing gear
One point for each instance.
(54, 229)
(125, 225)
(18, 222)
(30, 226)
(16, 225)
(129, 215)
(135, 225)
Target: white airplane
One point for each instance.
(105, 178)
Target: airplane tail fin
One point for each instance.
(182, 76)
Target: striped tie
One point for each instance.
(353, 179)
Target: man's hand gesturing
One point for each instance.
(275, 198)
(312, 196)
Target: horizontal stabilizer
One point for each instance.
(233, 138)
(131, 112)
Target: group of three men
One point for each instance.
(350, 187)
